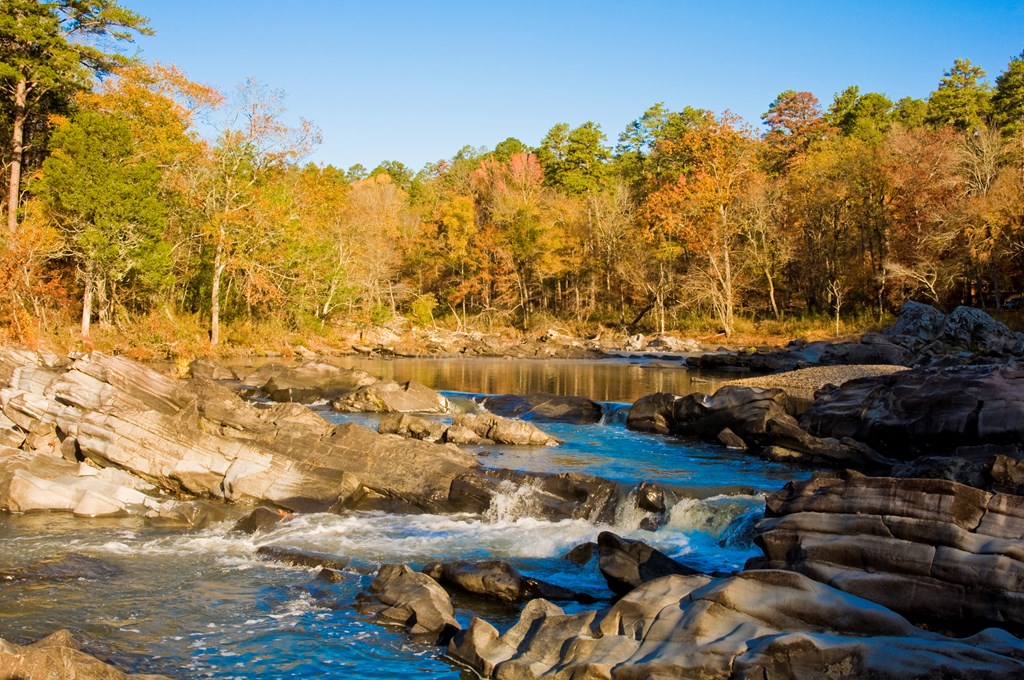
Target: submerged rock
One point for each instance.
(301, 558)
(498, 580)
(71, 566)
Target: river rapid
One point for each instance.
(201, 604)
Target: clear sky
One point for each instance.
(415, 81)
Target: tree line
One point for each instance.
(135, 191)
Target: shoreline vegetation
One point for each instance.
(129, 228)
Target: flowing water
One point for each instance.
(200, 604)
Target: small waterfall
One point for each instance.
(512, 502)
(715, 515)
(629, 515)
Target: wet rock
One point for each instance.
(71, 566)
(389, 396)
(511, 494)
(938, 552)
(927, 411)
(497, 580)
(626, 564)
(543, 407)
(650, 496)
(301, 558)
(314, 381)
(416, 601)
(190, 515)
(57, 656)
(260, 519)
(582, 554)
(755, 625)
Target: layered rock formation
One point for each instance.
(758, 624)
(940, 553)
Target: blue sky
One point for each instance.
(416, 81)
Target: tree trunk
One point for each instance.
(17, 153)
(87, 303)
(218, 269)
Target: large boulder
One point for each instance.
(544, 407)
(388, 396)
(57, 656)
(474, 429)
(756, 418)
(966, 336)
(938, 552)
(314, 381)
(627, 564)
(756, 625)
(925, 411)
(415, 601)
(498, 430)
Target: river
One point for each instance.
(200, 604)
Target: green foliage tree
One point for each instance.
(1008, 98)
(106, 202)
(49, 48)
(962, 98)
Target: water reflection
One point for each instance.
(618, 380)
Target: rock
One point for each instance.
(208, 369)
(497, 580)
(754, 418)
(190, 515)
(71, 566)
(626, 564)
(758, 624)
(200, 438)
(301, 558)
(504, 430)
(416, 601)
(260, 519)
(543, 407)
(57, 656)
(40, 482)
(389, 396)
(313, 381)
(940, 553)
(511, 494)
(581, 554)
(926, 411)
(413, 427)
(650, 496)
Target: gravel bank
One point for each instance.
(806, 380)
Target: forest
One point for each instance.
(139, 200)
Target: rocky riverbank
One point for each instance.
(861, 576)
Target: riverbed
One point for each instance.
(201, 604)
